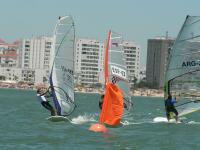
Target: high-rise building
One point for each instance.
(89, 62)
(132, 57)
(157, 55)
(35, 53)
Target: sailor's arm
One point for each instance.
(174, 100)
(48, 93)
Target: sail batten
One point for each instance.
(111, 63)
(112, 50)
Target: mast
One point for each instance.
(106, 57)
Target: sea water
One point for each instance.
(24, 126)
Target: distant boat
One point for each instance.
(117, 100)
(183, 70)
(62, 66)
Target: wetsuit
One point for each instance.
(169, 105)
(46, 104)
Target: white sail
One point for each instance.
(183, 71)
(118, 68)
(62, 66)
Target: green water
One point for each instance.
(24, 127)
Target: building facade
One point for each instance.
(34, 59)
(8, 54)
(8, 61)
(35, 53)
(132, 57)
(28, 62)
(89, 62)
(157, 55)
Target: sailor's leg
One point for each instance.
(49, 107)
(176, 113)
(168, 116)
(53, 112)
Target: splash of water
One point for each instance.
(83, 119)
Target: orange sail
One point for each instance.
(112, 109)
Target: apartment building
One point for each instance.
(34, 58)
(89, 62)
(132, 58)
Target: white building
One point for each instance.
(34, 59)
(89, 61)
(35, 53)
(132, 56)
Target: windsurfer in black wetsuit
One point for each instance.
(170, 108)
(41, 95)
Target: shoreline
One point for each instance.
(148, 92)
(137, 92)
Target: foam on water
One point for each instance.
(83, 119)
(133, 122)
(193, 122)
(125, 123)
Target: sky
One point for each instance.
(136, 20)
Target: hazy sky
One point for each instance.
(136, 20)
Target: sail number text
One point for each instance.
(67, 75)
(118, 72)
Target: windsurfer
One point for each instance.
(170, 108)
(42, 95)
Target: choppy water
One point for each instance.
(24, 127)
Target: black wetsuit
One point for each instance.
(169, 106)
(46, 104)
